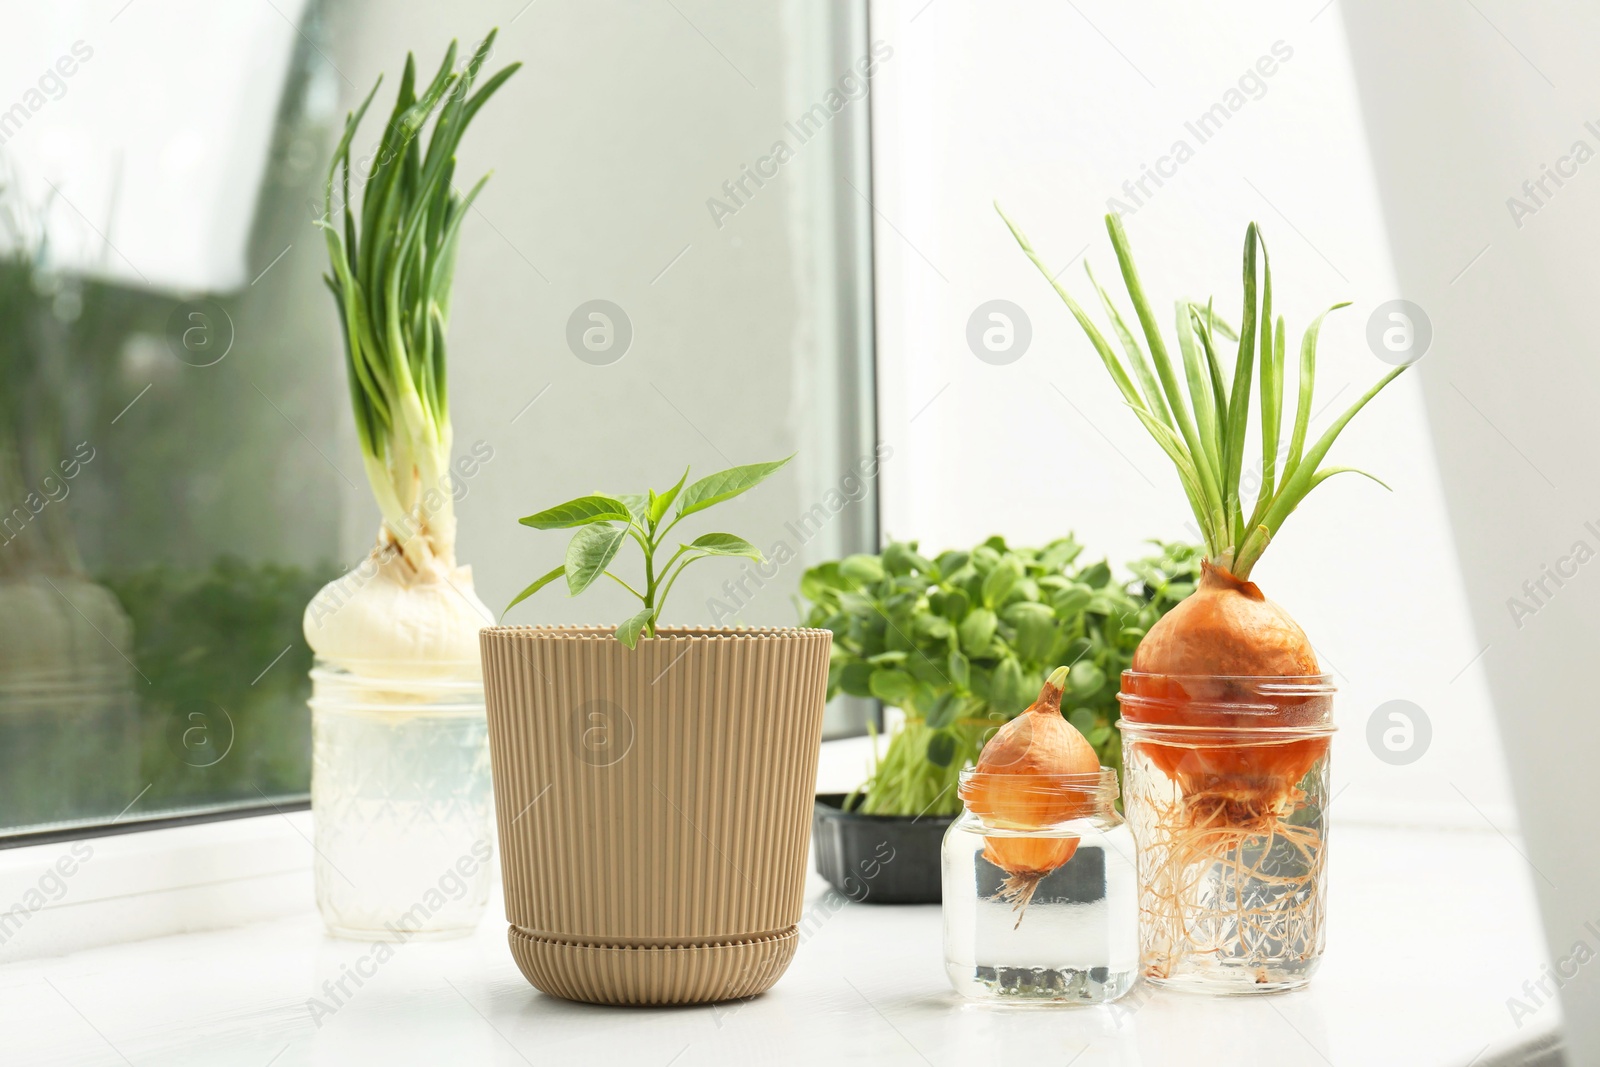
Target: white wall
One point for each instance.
(1465, 104)
(605, 147)
(750, 337)
(1050, 109)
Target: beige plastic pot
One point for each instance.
(654, 805)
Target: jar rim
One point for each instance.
(594, 632)
(1298, 682)
(1222, 705)
(1098, 788)
(1210, 735)
(452, 676)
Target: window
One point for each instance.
(178, 471)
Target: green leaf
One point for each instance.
(960, 669)
(924, 700)
(862, 569)
(1205, 316)
(1097, 576)
(393, 278)
(638, 505)
(590, 552)
(817, 582)
(628, 632)
(534, 588)
(998, 584)
(1085, 679)
(1271, 412)
(1071, 603)
(1210, 493)
(1271, 395)
(580, 512)
(1136, 356)
(855, 679)
(1036, 627)
(941, 749)
(1239, 401)
(899, 558)
(1057, 554)
(724, 544)
(1113, 365)
(1219, 388)
(1296, 487)
(1328, 472)
(724, 485)
(892, 686)
(1082, 719)
(660, 503)
(977, 632)
(955, 605)
(1008, 692)
(1205, 413)
(1307, 385)
(944, 711)
(858, 605)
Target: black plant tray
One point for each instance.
(878, 859)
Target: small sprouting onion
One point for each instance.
(410, 607)
(1035, 774)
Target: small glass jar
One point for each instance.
(1227, 799)
(1047, 914)
(400, 797)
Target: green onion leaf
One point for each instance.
(1208, 451)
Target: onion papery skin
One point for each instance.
(1033, 856)
(1198, 667)
(1018, 785)
(385, 619)
(1228, 659)
(1226, 627)
(1032, 805)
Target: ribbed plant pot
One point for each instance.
(654, 805)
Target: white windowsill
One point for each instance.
(1417, 974)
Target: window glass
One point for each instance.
(178, 472)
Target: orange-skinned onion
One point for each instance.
(1227, 628)
(1016, 787)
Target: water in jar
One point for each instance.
(1074, 941)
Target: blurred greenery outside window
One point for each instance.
(164, 519)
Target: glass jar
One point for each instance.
(400, 796)
(1227, 795)
(1044, 914)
